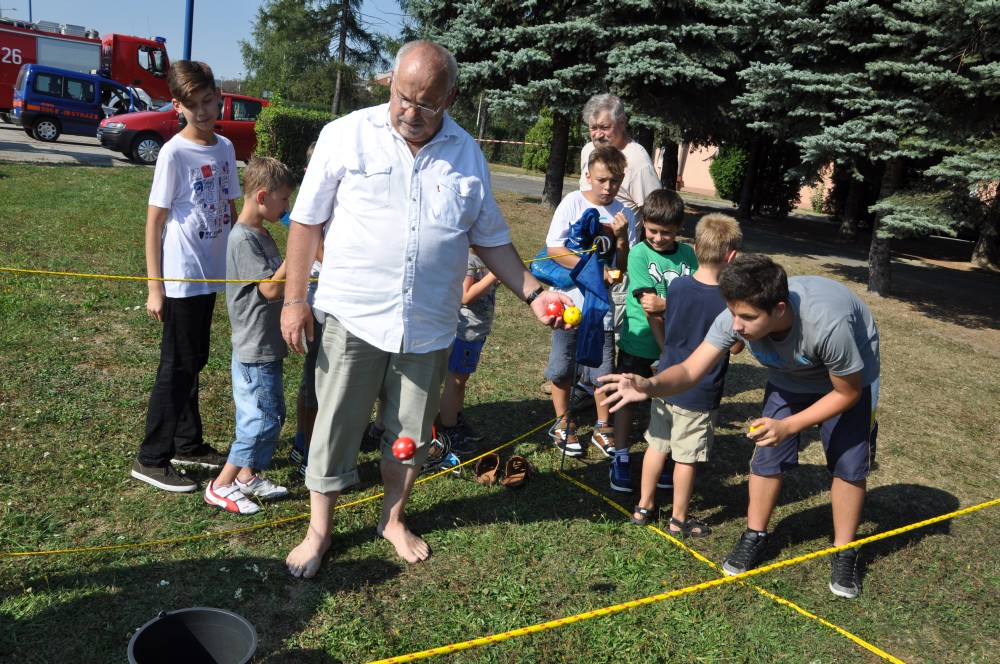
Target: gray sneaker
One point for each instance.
(746, 554)
(205, 456)
(844, 578)
(165, 478)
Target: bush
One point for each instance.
(727, 170)
(285, 133)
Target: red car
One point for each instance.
(139, 136)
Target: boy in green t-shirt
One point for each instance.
(652, 265)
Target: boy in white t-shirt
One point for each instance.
(605, 171)
(191, 210)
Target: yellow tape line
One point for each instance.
(560, 622)
(780, 600)
(267, 524)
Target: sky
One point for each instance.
(218, 25)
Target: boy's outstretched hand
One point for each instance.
(620, 389)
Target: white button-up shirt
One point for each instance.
(396, 248)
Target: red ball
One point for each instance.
(554, 308)
(404, 448)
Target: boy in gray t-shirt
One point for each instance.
(821, 348)
(254, 299)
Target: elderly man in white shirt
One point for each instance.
(404, 192)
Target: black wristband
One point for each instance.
(534, 294)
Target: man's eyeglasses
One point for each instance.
(406, 104)
(602, 128)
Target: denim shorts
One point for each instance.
(259, 395)
(464, 356)
(562, 359)
(848, 438)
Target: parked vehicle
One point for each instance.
(131, 61)
(49, 102)
(139, 136)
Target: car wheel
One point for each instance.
(146, 149)
(45, 129)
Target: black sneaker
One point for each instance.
(472, 434)
(458, 442)
(844, 578)
(165, 478)
(372, 438)
(205, 456)
(747, 553)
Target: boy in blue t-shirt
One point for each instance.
(683, 426)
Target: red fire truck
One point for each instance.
(128, 60)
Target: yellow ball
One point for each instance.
(572, 316)
(755, 427)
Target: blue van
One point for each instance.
(50, 101)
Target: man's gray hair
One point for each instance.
(449, 60)
(603, 103)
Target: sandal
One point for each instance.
(487, 468)
(687, 528)
(516, 473)
(645, 515)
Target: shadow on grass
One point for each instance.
(121, 598)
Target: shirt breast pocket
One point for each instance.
(454, 200)
(372, 187)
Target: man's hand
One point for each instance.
(295, 320)
(538, 308)
(621, 389)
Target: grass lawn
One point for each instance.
(77, 359)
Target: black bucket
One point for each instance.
(194, 636)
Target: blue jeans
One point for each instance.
(259, 395)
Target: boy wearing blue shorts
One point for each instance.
(605, 172)
(475, 320)
(820, 345)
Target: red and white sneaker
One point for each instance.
(230, 498)
(259, 487)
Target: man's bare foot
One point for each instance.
(305, 559)
(409, 546)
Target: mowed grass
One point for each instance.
(77, 358)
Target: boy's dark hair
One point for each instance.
(756, 280)
(611, 157)
(715, 236)
(266, 173)
(186, 77)
(663, 207)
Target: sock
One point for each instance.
(300, 440)
(621, 455)
(761, 534)
(600, 423)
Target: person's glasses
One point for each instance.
(602, 128)
(406, 104)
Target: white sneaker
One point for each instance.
(262, 488)
(230, 498)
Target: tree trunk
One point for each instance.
(879, 259)
(341, 59)
(745, 209)
(848, 231)
(668, 175)
(987, 250)
(482, 117)
(552, 191)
